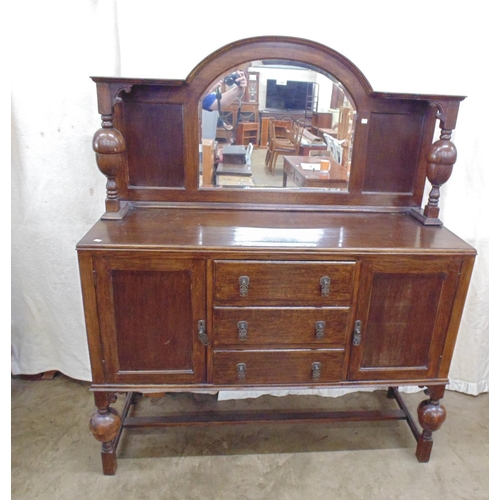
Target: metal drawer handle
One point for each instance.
(320, 329)
(325, 286)
(244, 284)
(316, 370)
(356, 339)
(242, 330)
(241, 369)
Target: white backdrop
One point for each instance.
(58, 192)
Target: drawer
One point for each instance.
(283, 283)
(288, 366)
(243, 326)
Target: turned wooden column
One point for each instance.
(431, 415)
(440, 161)
(442, 157)
(105, 424)
(109, 146)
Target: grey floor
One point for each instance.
(261, 177)
(55, 457)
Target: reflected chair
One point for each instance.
(345, 133)
(283, 129)
(334, 146)
(280, 147)
(282, 133)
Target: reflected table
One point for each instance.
(336, 177)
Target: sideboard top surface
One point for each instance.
(213, 229)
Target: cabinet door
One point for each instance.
(403, 314)
(149, 310)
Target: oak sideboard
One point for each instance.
(191, 287)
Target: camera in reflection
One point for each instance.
(231, 79)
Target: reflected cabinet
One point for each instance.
(194, 287)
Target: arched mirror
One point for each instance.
(278, 124)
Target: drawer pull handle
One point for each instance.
(202, 332)
(325, 286)
(241, 369)
(242, 330)
(356, 339)
(244, 284)
(320, 329)
(316, 370)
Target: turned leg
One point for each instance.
(431, 416)
(390, 393)
(105, 425)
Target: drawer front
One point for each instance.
(283, 283)
(277, 367)
(241, 327)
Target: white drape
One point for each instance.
(58, 193)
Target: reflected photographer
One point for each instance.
(215, 99)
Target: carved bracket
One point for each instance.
(108, 94)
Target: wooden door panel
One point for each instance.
(148, 312)
(401, 319)
(149, 336)
(404, 310)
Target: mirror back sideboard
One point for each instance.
(194, 289)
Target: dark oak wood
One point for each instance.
(283, 283)
(275, 326)
(404, 309)
(105, 425)
(309, 233)
(195, 289)
(148, 313)
(280, 366)
(261, 417)
(392, 150)
(431, 415)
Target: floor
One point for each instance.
(261, 177)
(55, 457)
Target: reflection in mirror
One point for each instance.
(276, 124)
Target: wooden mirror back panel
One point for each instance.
(151, 150)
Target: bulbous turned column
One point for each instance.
(431, 416)
(109, 146)
(105, 424)
(442, 157)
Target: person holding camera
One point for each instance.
(215, 100)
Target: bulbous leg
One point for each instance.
(390, 393)
(431, 415)
(105, 424)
